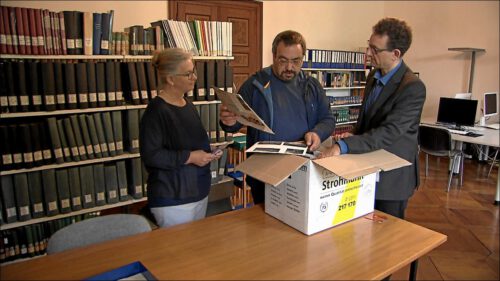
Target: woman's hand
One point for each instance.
(200, 158)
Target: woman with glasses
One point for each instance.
(174, 144)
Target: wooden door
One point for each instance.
(246, 17)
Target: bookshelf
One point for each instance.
(79, 87)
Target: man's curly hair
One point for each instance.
(398, 31)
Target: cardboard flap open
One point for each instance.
(350, 166)
(271, 168)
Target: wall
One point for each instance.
(342, 25)
(127, 13)
(439, 25)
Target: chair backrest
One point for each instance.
(434, 140)
(96, 230)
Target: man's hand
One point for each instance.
(200, 158)
(334, 150)
(227, 117)
(312, 140)
(342, 136)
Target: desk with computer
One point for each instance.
(458, 116)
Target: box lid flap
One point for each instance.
(271, 168)
(350, 166)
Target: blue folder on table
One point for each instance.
(124, 272)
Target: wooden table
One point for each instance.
(247, 244)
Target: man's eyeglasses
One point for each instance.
(375, 50)
(297, 62)
(190, 75)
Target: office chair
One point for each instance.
(437, 142)
(96, 230)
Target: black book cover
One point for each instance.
(22, 196)
(111, 183)
(70, 29)
(70, 85)
(110, 83)
(6, 148)
(66, 149)
(220, 74)
(26, 146)
(55, 140)
(101, 135)
(9, 199)
(87, 142)
(82, 85)
(99, 184)
(151, 78)
(48, 86)
(36, 194)
(46, 143)
(50, 192)
(142, 84)
(78, 137)
(118, 84)
(134, 178)
(122, 180)
(92, 84)
(79, 32)
(132, 132)
(108, 132)
(75, 189)
(21, 87)
(106, 30)
(201, 86)
(12, 98)
(63, 193)
(36, 142)
(70, 137)
(101, 84)
(93, 135)
(116, 117)
(4, 99)
(34, 85)
(229, 78)
(87, 185)
(17, 148)
(210, 80)
(59, 78)
(132, 93)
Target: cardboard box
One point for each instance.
(313, 195)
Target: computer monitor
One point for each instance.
(457, 112)
(490, 106)
(464, 96)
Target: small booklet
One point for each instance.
(280, 147)
(246, 116)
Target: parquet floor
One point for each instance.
(466, 215)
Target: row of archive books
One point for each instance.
(339, 79)
(340, 129)
(345, 100)
(315, 58)
(66, 139)
(345, 114)
(35, 86)
(31, 240)
(30, 31)
(51, 192)
(202, 38)
(209, 115)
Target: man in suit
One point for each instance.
(390, 115)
